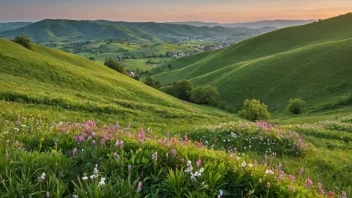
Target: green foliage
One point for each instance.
(253, 110)
(150, 81)
(23, 40)
(115, 65)
(182, 90)
(296, 105)
(205, 95)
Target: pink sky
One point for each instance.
(225, 12)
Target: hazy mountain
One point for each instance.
(12, 25)
(257, 24)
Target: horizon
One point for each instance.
(223, 11)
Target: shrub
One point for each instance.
(182, 90)
(23, 40)
(254, 110)
(231, 109)
(115, 65)
(205, 95)
(151, 82)
(296, 105)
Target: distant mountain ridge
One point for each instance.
(281, 23)
(12, 25)
(56, 30)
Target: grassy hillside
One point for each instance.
(70, 30)
(68, 85)
(309, 61)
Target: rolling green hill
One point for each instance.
(65, 85)
(166, 30)
(70, 30)
(12, 25)
(59, 30)
(310, 61)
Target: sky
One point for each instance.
(222, 11)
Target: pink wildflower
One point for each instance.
(199, 162)
(139, 187)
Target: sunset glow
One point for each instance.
(224, 11)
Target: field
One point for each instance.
(141, 56)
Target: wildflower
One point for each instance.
(95, 172)
(79, 139)
(320, 185)
(7, 141)
(155, 156)
(139, 187)
(74, 153)
(344, 194)
(102, 181)
(221, 193)
(129, 167)
(84, 177)
(42, 177)
(280, 178)
(122, 144)
(199, 162)
(244, 164)
(201, 170)
(173, 153)
(250, 165)
(292, 188)
(292, 177)
(309, 183)
(301, 171)
(75, 196)
(268, 184)
(115, 155)
(269, 172)
(47, 194)
(331, 194)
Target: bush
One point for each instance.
(151, 82)
(253, 110)
(205, 95)
(296, 105)
(115, 65)
(182, 90)
(23, 40)
(231, 109)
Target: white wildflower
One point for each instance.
(269, 172)
(102, 181)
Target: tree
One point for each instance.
(205, 95)
(253, 110)
(23, 40)
(92, 58)
(296, 105)
(149, 81)
(115, 65)
(182, 90)
(169, 66)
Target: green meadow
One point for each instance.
(72, 127)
